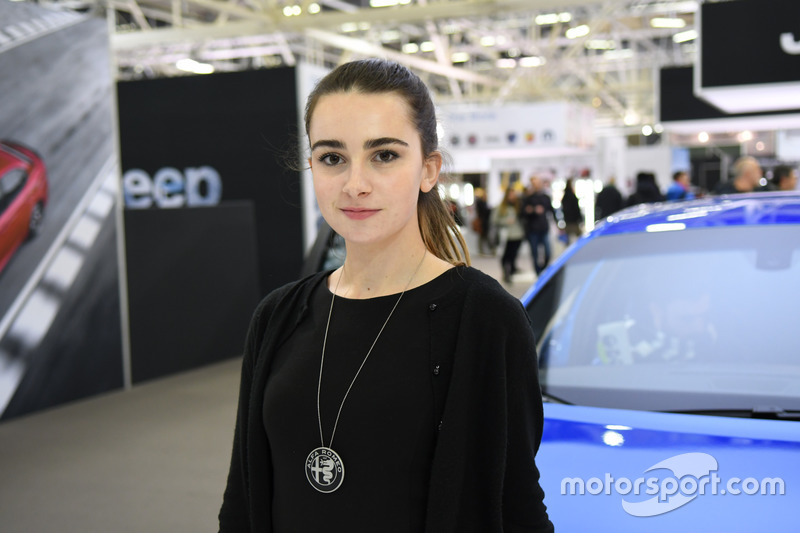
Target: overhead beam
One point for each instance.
(367, 49)
(274, 21)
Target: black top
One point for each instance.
(483, 374)
(386, 431)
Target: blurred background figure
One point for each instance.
(609, 201)
(506, 221)
(536, 206)
(784, 178)
(746, 175)
(681, 188)
(481, 224)
(647, 190)
(571, 212)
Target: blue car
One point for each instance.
(669, 346)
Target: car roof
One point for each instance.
(748, 209)
(726, 210)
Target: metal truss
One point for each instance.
(602, 53)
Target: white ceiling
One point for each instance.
(150, 36)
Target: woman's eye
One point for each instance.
(330, 159)
(386, 156)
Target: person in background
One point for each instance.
(609, 201)
(536, 211)
(430, 363)
(571, 211)
(647, 191)
(681, 188)
(506, 218)
(747, 174)
(784, 178)
(482, 223)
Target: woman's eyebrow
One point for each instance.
(382, 141)
(327, 143)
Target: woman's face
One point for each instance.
(368, 166)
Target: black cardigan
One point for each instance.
(483, 476)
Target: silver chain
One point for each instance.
(325, 342)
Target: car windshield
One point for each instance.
(692, 320)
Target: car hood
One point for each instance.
(691, 472)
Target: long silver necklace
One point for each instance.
(324, 467)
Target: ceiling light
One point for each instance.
(314, 8)
(506, 63)
(577, 31)
(410, 48)
(647, 130)
(600, 44)
(383, 3)
(427, 46)
(190, 65)
(664, 22)
(532, 61)
(549, 18)
(703, 137)
(658, 128)
(631, 118)
(745, 136)
(390, 36)
(459, 57)
(349, 27)
(684, 36)
(488, 40)
(625, 53)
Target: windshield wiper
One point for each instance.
(549, 398)
(772, 412)
(766, 412)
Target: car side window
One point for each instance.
(11, 183)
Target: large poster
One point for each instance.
(60, 327)
(213, 218)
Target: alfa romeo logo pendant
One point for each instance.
(324, 470)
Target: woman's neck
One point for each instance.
(367, 274)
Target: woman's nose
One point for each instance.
(357, 183)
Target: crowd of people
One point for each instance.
(526, 214)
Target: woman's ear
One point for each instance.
(430, 171)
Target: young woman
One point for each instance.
(398, 393)
(506, 216)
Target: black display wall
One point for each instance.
(678, 102)
(213, 217)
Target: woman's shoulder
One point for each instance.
(297, 290)
(485, 290)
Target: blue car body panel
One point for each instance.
(594, 443)
(608, 450)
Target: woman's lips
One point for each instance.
(358, 213)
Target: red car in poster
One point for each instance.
(23, 196)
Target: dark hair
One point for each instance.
(780, 172)
(678, 174)
(438, 228)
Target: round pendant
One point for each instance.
(324, 469)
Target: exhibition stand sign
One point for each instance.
(213, 218)
(749, 55)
